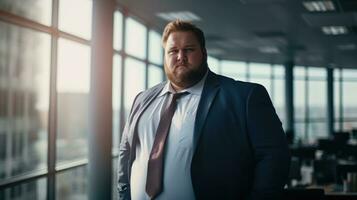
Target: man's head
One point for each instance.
(185, 54)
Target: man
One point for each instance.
(216, 139)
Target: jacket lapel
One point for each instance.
(210, 90)
(147, 99)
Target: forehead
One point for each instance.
(182, 38)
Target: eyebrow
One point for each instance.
(186, 46)
(191, 45)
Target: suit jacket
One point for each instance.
(240, 149)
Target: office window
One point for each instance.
(24, 99)
(349, 99)
(155, 48)
(36, 10)
(155, 75)
(299, 92)
(73, 97)
(337, 98)
(317, 88)
(72, 184)
(75, 17)
(118, 31)
(234, 69)
(300, 102)
(260, 70)
(260, 73)
(135, 38)
(116, 90)
(213, 64)
(316, 130)
(278, 92)
(310, 101)
(317, 103)
(134, 82)
(30, 190)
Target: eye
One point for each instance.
(172, 51)
(189, 49)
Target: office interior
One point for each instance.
(69, 71)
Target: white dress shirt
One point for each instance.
(178, 149)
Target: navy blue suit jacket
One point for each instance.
(240, 149)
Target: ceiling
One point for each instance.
(245, 30)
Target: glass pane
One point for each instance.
(279, 71)
(320, 73)
(118, 30)
(135, 38)
(317, 99)
(234, 69)
(299, 99)
(337, 125)
(73, 96)
(36, 10)
(213, 64)
(155, 75)
(279, 99)
(117, 71)
(349, 74)
(36, 190)
(155, 48)
(259, 70)
(349, 99)
(299, 72)
(300, 132)
(75, 17)
(24, 99)
(317, 130)
(336, 98)
(348, 126)
(134, 81)
(72, 184)
(337, 74)
(73, 67)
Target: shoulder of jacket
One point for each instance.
(146, 94)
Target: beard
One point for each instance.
(187, 77)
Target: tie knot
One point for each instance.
(178, 95)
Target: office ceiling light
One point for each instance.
(347, 47)
(269, 49)
(182, 15)
(334, 30)
(319, 6)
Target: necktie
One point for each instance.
(155, 165)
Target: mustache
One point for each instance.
(182, 63)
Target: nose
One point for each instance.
(181, 56)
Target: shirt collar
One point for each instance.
(195, 89)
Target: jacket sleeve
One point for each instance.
(271, 152)
(124, 157)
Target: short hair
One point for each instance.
(179, 25)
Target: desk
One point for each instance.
(340, 196)
(334, 192)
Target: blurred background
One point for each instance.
(302, 51)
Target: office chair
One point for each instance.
(325, 171)
(343, 169)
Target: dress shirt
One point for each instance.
(178, 149)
